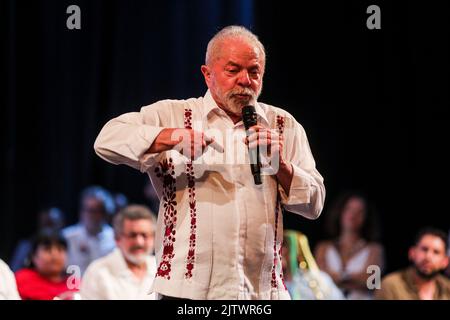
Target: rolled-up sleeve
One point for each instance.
(127, 138)
(307, 191)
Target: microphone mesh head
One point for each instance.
(249, 116)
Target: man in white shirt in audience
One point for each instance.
(92, 237)
(128, 272)
(8, 287)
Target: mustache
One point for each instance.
(134, 248)
(245, 91)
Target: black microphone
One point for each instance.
(249, 118)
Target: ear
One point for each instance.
(445, 262)
(206, 74)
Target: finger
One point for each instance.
(263, 131)
(261, 141)
(256, 127)
(252, 138)
(264, 148)
(214, 144)
(264, 137)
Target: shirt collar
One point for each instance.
(209, 104)
(103, 231)
(409, 279)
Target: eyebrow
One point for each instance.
(234, 64)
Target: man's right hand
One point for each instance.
(188, 142)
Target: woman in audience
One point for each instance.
(45, 278)
(50, 220)
(352, 247)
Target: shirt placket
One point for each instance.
(243, 224)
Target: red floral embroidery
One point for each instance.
(190, 259)
(280, 124)
(277, 253)
(281, 272)
(188, 118)
(166, 172)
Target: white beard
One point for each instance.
(136, 259)
(234, 105)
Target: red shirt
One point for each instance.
(32, 286)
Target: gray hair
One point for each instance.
(238, 32)
(133, 212)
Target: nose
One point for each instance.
(140, 239)
(244, 78)
(429, 255)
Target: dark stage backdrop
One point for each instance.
(371, 101)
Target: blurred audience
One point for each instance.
(120, 202)
(8, 287)
(92, 237)
(303, 279)
(50, 220)
(423, 279)
(127, 272)
(352, 228)
(45, 277)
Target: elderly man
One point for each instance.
(128, 272)
(219, 233)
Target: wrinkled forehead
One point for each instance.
(240, 50)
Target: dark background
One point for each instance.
(373, 102)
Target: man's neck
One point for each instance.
(233, 116)
(349, 237)
(139, 270)
(425, 287)
(93, 232)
